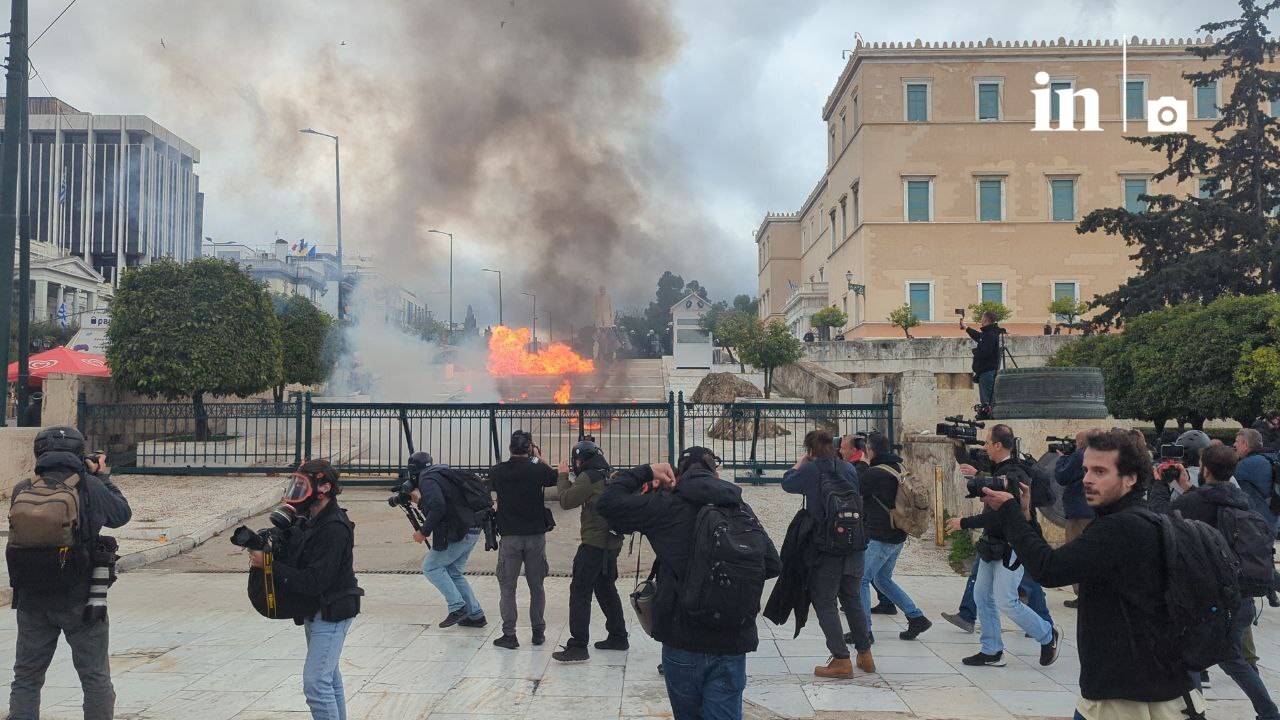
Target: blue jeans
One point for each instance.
(321, 679)
(996, 592)
(877, 567)
(987, 387)
(1246, 675)
(443, 569)
(1035, 598)
(704, 687)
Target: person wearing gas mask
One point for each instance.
(54, 591)
(446, 559)
(316, 576)
(595, 566)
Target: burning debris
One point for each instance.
(509, 356)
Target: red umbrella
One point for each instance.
(61, 360)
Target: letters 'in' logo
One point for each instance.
(1066, 106)
(1167, 115)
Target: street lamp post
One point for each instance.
(337, 191)
(499, 272)
(441, 232)
(534, 330)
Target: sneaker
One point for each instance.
(476, 622)
(614, 643)
(1072, 603)
(959, 622)
(454, 618)
(571, 653)
(983, 659)
(1049, 650)
(885, 608)
(507, 641)
(915, 626)
(539, 637)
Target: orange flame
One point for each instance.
(509, 355)
(561, 396)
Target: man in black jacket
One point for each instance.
(446, 560)
(1121, 587)
(44, 613)
(316, 573)
(999, 570)
(986, 356)
(1069, 473)
(523, 526)
(705, 668)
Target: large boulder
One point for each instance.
(723, 388)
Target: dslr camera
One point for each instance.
(974, 485)
(271, 539)
(1063, 445)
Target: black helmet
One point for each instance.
(59, 439)
(418, 462)
(585, 451)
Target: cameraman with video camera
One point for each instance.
(450, 545)
(986, 359)
(999, 570)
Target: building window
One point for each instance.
(844, 219)
(919, 200)
(854, 112)
(991, 292)
(920, 298)
(1133, 188)
(845, 302)
(991, 200)
(844, 138)
(1275, 108)
(1207, 101)
(1135, 100)
(1062, 290)
(917, 102)
(832, 151)
(1054, 100)
(1063, 193)
(988, 101)
(833, 230)
(854, 203)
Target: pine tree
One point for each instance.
(1196, 249)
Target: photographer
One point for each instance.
(595, 566)
(1069, 473)
(451, 546)
(523, 522)
(315, 574)
(1183, 455)
(853, 448)
(986, 358)
(53, 597)
(999, 570)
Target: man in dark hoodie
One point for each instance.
(446, 559)
(595, 566)
(705, 668)
(45, 612)
(986, 356)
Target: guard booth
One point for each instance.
(691, 346)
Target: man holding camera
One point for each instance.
(999, 569)
(450, 546)
(52, 594)
(986, 358)
(523, 523)
(1069, 473)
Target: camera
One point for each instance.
(1172, 452)
(974, 485)
(271, 539)
(489, 524)
(957, 428)
(1167, 114)
(1063, 445)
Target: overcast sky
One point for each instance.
(725, 112)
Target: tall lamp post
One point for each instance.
(499, 272)
(535, 318)
(859, 290)
(337, 190)
(441, 232)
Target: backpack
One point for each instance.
(841, 530)
(1250, 539)
(725, 576)
(46, 549)
(910, 512)
(1273, 500)
(1201, 594)
(1042, 493)
(466, 499)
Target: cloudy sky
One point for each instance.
(569, 142)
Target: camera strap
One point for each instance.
(269, 583)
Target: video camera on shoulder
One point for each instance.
(957, 428)
(1064, 445)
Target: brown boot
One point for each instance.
(836, 668)
(866, 663)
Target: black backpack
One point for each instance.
(466, 500)
(1042, 494)
(840, 531)
(724, 580)
(1273, 499)
(1201, 594)
(1249, 537)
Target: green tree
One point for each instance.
(771, 348)
(1070, 309)
(977, 310)
(304, 339)
(427, 327)
(1193, 249)
(903, 317)
(737, 329)
(203, 328)
(747, 304)
(827, 318)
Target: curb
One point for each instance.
(185, 543)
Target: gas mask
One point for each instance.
(299, 496)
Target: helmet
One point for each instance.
(59, 439)
(585, 451)
(418, 462)
(521, 442)
(1193, 440)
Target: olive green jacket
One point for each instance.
(581, 492)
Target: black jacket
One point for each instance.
(1069, 472)
(317, 569)
(518, 483)
(992, 529)
(791, 593)
(986, 356)
(433, 501)
(807, 480)
(667, 520)
(879, 486)
(1113, 562)
(1199, 503)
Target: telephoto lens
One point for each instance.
(284, 516)
(247, 539)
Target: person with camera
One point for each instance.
(1182, 455)
(450, 545)
(1000, 571)
(595, 566)
(1069, 473)
(523, 523)
(1123, 607)
(830, 486)
(703, 613)
(986, 358)
(315, 575)
(1268, 427)
(71, 499)
(853, 448)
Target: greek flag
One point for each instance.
(62, 315)
(62, 192)
(791, 285)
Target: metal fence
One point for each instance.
(376, 439)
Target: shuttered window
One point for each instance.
(990, 200)
(1135, 93)
(918, 201)
(992, 292)
(1064, 200)
(1207, 101)
(917, 102)
(988, 101)
(918, 295)
(1054, 100)
(1134, 187)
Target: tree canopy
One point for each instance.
(769, 348)
(903, 317)
(306, 352)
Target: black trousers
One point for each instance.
(595, 571)
(839, 577)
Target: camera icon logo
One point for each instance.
(1167, 115)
